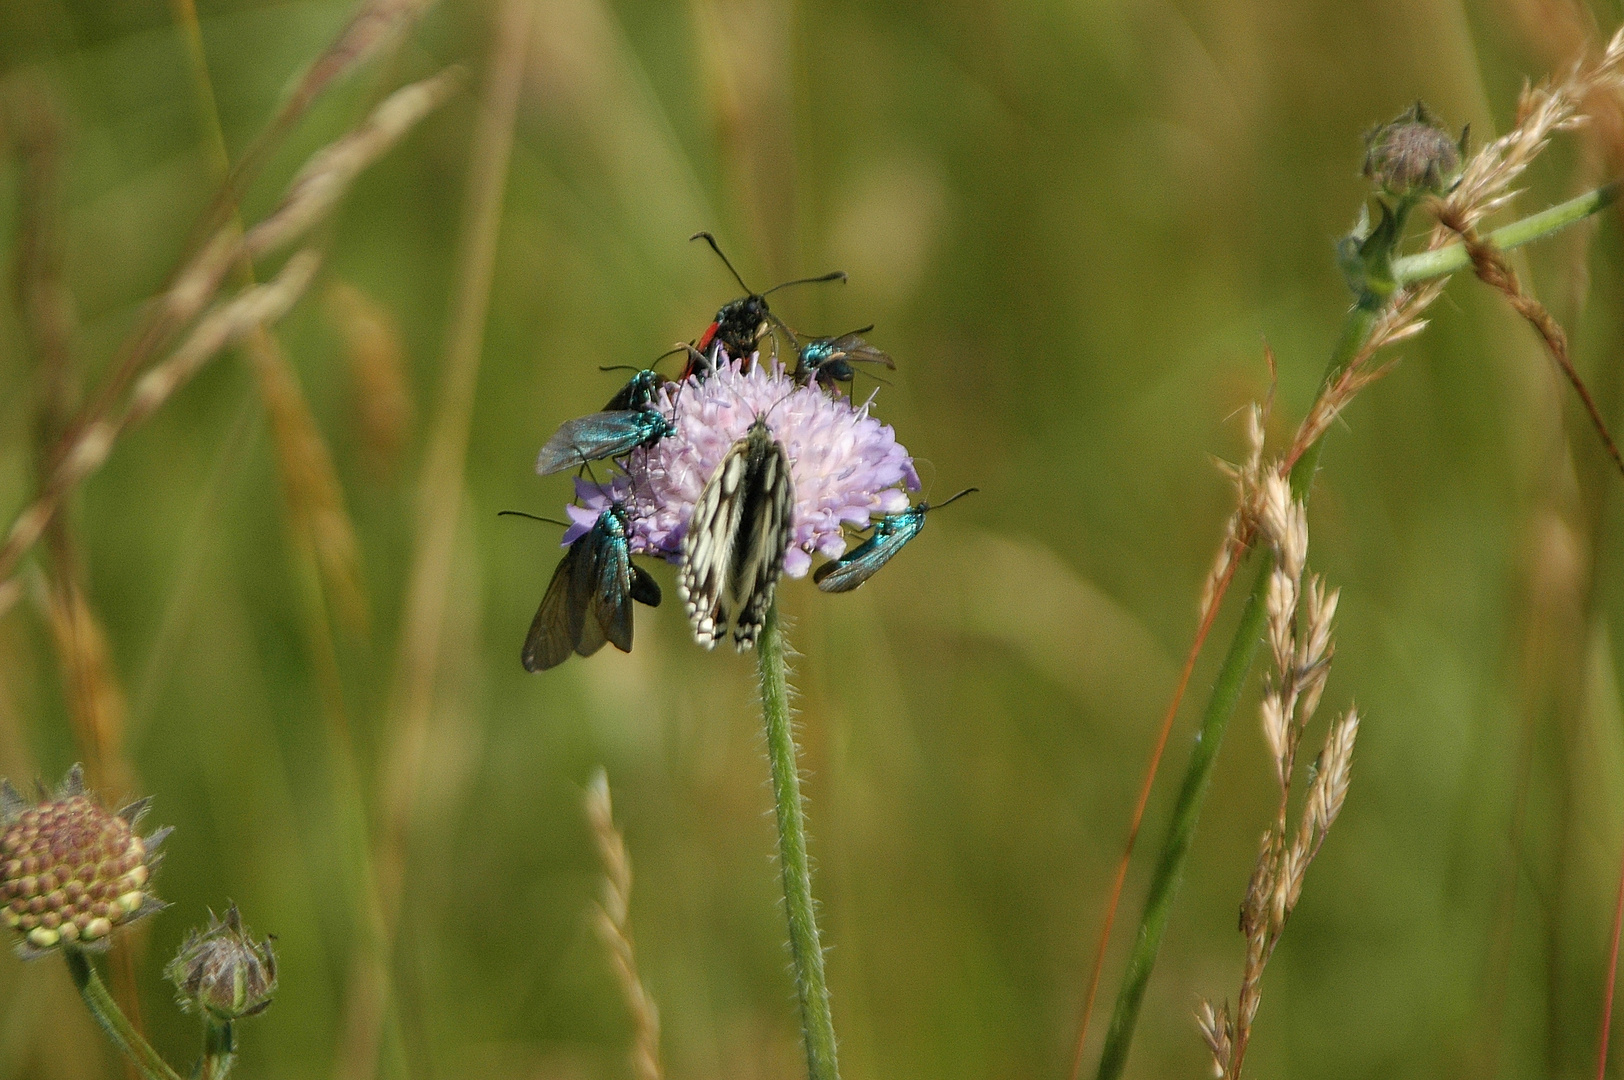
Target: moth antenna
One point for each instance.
(833, 275)
(711, 240)
(956, 498)
(532, 517)
(673, 351)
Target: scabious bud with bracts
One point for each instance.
(70, 870)
(1414, 154)
(223, 971)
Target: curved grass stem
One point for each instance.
(806, 953)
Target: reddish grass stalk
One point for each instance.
(1139, 809)
(1612, 971)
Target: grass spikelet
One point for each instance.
(310, 484)
(314, 192)
(380, 383)
(611, 923)
(1298, 628)
(222, 327)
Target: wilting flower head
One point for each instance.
(223, 971)
(845, 465)
(70, 870)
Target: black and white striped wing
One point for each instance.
(764, 536)
(733, 552)
(708, 547)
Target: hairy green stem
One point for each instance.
(112, 1018)
(1446, 260)
(817, 1026)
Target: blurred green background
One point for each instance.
(1074, 224)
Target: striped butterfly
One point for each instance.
(890, 533)
(733, 551)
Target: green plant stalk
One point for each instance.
(1248, 637)
(219, 1049)
(806, 954)
(112, 1018)
(1446, 260)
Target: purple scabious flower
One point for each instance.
(846, 466)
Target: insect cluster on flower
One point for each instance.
(739, 471)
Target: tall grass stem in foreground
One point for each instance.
(440, 501)
(806, 953)
(1374, 320)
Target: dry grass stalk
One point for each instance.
(376, 26)
(612, 930)
(1492, 268)
(90, 446)
(380, 381)
(440, 498)
(1299, 636)
(314, 192)
(95, 700)
(310, 484)
(31, 118)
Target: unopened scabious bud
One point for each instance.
(223, 971)
(70, 870)
(1413, 155)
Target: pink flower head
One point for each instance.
(846, 466)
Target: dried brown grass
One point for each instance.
(610, 919)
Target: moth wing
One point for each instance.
(863, 562)
(768, 533)
(853, 347)
(551, 640)
(586, 586)
(611, 607)
(707, 547)
(645, 590)
(592, 437)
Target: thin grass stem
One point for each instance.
(1612, 972)
(112, 1019)
(1243, 649)
(1138, 816)
(440, 500)
(806, 953)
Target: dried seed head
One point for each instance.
(1217, 1031)
(70, 870)
(1336, 764)
(1272, 710)
(1413, 155)
(1284, 522)
(1280, 606)
(1315, 647)
(223, 971)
